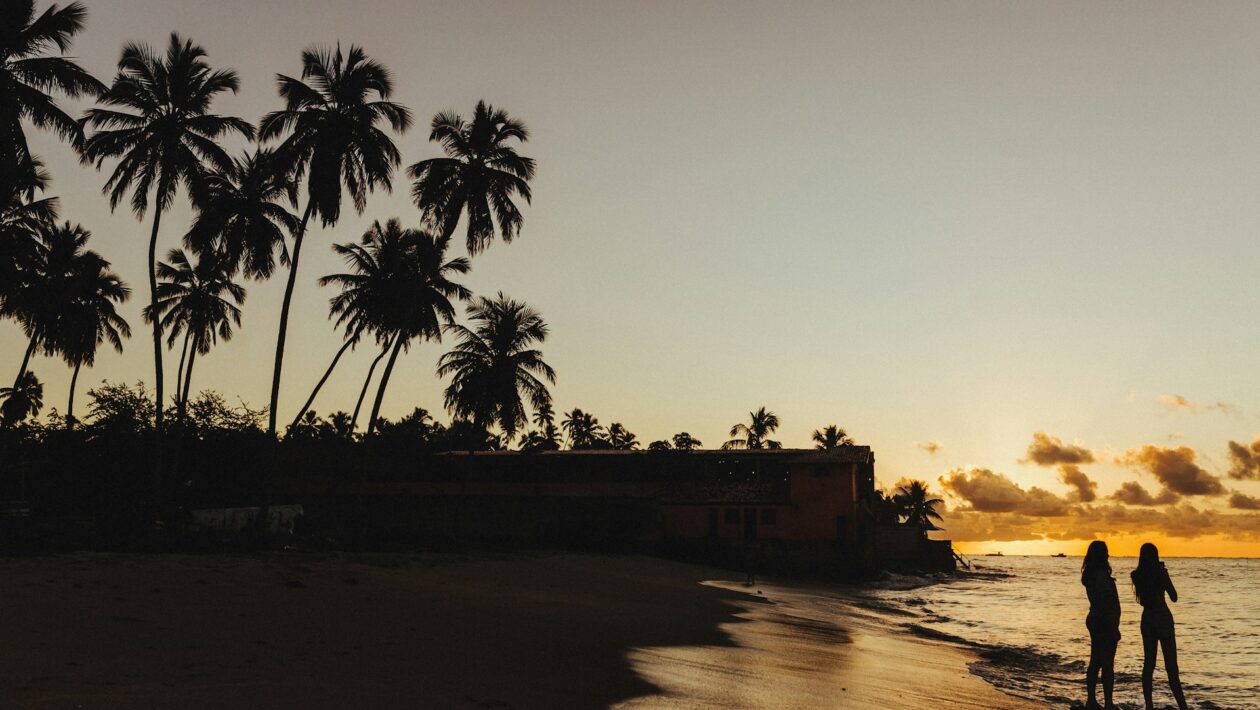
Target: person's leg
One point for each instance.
(1109, 671)
(1149, 641)
(1095, 663)
(1169, 642)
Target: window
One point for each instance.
(769, 516)
(731, 516)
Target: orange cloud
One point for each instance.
(1175, 468)
(929, 446)
(1175, 403)
(1132, 493)
(1084, 490)
(1246, 460)
(989, 492)
(1241, 501)
(1046, 450)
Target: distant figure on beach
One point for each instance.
(1150, 582)
(1103, 622)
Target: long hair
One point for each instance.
(1095, 560)
(1148, 578)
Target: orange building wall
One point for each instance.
(818, 495)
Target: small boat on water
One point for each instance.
(1059, 555)
(994, 554)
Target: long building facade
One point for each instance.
(809, 507)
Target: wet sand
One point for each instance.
(520, 630)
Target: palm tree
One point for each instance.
(200, 301)
(686, 442)
(621, 438)
(884, 508)
(546, 437)
(24, 399)
(495, 366)
(37, 276)
(164, 136)
(339, 425)
(366, 295)
(582, 429)
(544, 416)
(913, 502)
(21, 222)
(756, 433)
(831, 437)
(333, 141)
(55, 280)
(241, 219)
(398, 286)
(29, 73)
(86, 303)
(480, 175)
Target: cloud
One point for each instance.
(929, 446)
(1046, 450)
(1240, 501)
(1175, 468)
(1084, 490)
(1245, 460)
(1132, 493)
(1177, 403)
(988, 492)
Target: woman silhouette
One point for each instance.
(1103, 621)
(1150, 581)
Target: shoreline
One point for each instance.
(524, 630)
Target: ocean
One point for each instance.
(1026, 618)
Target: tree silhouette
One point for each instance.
(240, 219)
(756, 433)
(24, 399)
(495, 367)
(582, 429)
(831, 437)
(399, 282)
(29, 74)
(86, 297)
(164, 136)
(199, 301)
(479, 176)
(621, 438)
(22, 219)
(685, 442)
(915, 503)
(331, 116)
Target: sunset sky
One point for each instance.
(1008, 246)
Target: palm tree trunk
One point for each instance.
(284, 317)
(26, 361)
(309, 400)
(380, 392)
(70, 405)
(354, 418)
(157, 322)
(183, 400)
(183, 355)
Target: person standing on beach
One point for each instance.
(1150, 583)
(1103, 622)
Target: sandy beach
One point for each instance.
(518, 630)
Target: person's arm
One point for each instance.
(1172, 591)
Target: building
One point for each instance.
(804, 504)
